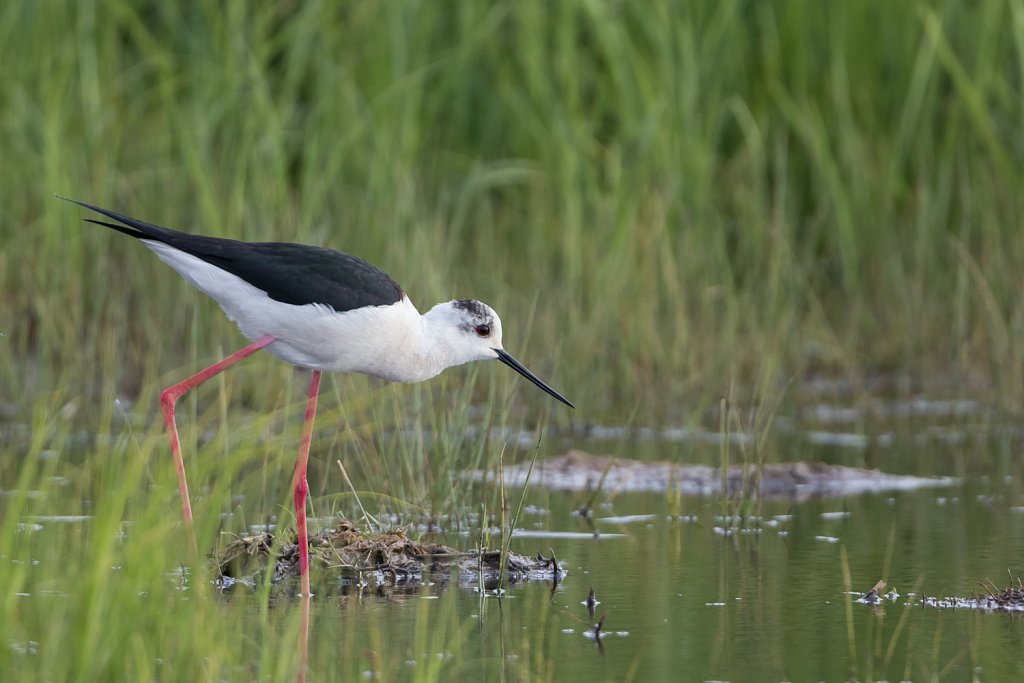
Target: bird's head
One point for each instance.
(472, 331)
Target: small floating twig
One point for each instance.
(592, 602)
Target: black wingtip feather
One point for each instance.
(131, 226)
(75, 201)
(138, 234)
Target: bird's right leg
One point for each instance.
(173, 393)
(301, 488)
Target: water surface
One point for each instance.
(690, 588)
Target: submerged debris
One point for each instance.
(873, 596)
(384, 559)
(577, 471)
(1009, 599)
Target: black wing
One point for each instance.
(290, 273)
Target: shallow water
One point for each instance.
(689, 589)
(714, 597)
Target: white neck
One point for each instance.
(439, 343)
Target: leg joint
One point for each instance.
(169, 396)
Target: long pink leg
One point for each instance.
(172, 394)
(300, 486)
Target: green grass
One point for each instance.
(664, 200)
(661, 191)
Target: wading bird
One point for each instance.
(318, 309)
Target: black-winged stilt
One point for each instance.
(322, 310)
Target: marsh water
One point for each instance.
(689, 587)
(681, 600)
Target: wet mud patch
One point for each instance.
(375, 559)
(580, 471)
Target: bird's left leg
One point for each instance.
(169, 397)
(299, 485)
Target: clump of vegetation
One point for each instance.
(379, 559)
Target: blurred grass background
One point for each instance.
(660, 198)
(668, 202)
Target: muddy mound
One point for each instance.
(579, 471)
(386, 558)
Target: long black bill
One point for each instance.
(506, 358)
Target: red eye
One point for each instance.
(483, 330)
